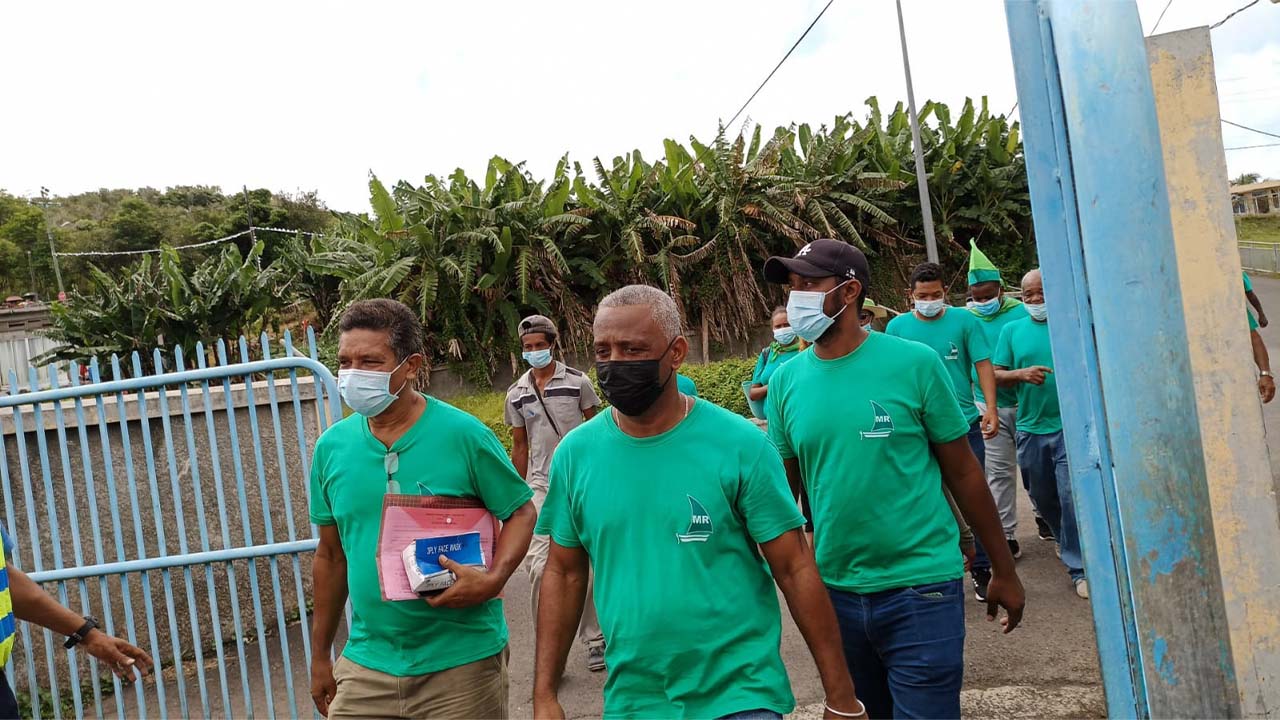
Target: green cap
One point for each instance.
(980, 268)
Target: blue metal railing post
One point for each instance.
(1124, 377)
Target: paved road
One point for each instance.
(1048, 666)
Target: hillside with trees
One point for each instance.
(116, 220)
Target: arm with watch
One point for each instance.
(1266, 381)
(32, 604)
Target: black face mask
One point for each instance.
(632, 386)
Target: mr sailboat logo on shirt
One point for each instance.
(882, 427)
(699, 523)
(955, 353)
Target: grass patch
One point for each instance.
(1258, 228)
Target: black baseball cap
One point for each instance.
(820, 258)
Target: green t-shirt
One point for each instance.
(1006, 397)
(959, 340)
(686, 385)
(1023, 344)
(1248, 284)
(861, 426)
(447, 452)
(672, 522)
(772, 358)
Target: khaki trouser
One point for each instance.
(475, 690)
(589, 632)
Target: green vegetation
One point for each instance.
(473, 255)
(1258, 228)
(167, 302)
(719, 382)
(113, 220)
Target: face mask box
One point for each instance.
(422, 560)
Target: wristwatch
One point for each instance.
(78, 636)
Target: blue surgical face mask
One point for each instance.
(368, 392)
(868, 327)
(930, 308)
(1037, 311)
(988, 308)
(805, 311)
(538, 358)
(784, 335)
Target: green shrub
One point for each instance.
(488, 407)
(719, 382)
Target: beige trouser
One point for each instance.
(474, 690)
(589, 628)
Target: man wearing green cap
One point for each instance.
(994, 311)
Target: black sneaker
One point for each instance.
(981, 578)
(1015, 548)
(1042, 528)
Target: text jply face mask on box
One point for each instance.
(422, 560)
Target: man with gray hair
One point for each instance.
(672, 501)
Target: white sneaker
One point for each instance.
(1082, 588)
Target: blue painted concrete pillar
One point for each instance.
(1121, 354)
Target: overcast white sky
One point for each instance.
(313, 95)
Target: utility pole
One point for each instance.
(31, 266)
(248, 213)
(53, 251)
(926, 210)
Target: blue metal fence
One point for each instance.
(170, 501)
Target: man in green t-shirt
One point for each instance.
(444, 656)
(1024, 362)
(957, 337)
(869, 424)
(673, 501)
(1261, 358)
(1252, 297)
(994, 310)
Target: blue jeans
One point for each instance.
(905, 648)
(979, 447)
(754, 715)
(1043, 460)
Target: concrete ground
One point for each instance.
(1048, 667)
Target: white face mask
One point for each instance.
(805, 311)
(930, 308)
(1037, 312)
(368, 392)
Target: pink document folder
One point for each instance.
(406, 518)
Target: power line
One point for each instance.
(699, 157)
(1246, 127)
(249, 231)
(1237, 12)
(1162, 12)
(783, 60)
(1251, 147)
